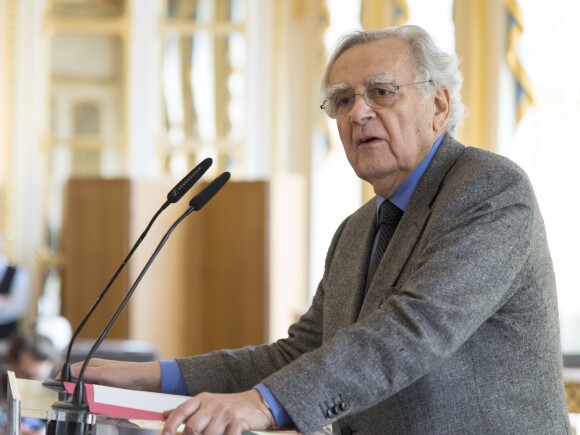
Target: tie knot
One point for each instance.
(389, 214)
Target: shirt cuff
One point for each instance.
(172, 381)
(280, 415)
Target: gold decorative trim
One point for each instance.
(8, 197)
(87, 25)
(377, 14)
(401, 14)
(524, 85)
(188, 27)
(322, 24)
(573, 396)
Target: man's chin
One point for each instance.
(370, 173)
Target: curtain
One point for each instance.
(486, 35)
(375, 14)
(523, 98)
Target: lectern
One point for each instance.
(28, 398)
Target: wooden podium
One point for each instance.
(232, 274)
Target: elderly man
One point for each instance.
(437, 311)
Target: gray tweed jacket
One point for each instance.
(457, 334)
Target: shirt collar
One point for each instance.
(403, 194)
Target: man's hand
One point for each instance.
(145, 376)
(219, 414)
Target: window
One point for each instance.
(203, 78)
(545, 143)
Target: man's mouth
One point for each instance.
(367, 140)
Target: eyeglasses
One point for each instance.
(340, 103)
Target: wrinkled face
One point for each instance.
(29, 368)
(384, 146)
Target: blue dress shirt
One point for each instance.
(173, 382)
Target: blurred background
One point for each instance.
(106, 104)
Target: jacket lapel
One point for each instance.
(361, 251)
(412, 223)
(346, 277)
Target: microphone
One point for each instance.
(197, 202)
(173, 196)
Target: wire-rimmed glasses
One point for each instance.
(341, 101)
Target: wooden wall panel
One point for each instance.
(229, 295)
(94, 243)
(156, 311)
(208, 288)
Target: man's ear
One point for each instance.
(442, 109)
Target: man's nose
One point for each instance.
(361, 112)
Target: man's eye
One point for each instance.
(343, 100)
(379, 92)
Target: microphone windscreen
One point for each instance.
(188, 181)
(201, 199)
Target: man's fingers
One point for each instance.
(237, 428)
(206, 424)
(198, 423)
(227, 421)
(218, 414)
(180, 415)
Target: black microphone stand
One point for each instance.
(77, 402)
(172, 197)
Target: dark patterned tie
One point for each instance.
(389, 217)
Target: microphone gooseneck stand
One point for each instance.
(75, 407)
(173, 196)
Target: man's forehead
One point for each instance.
(371, 80)
(373, 61)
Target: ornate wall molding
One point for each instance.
(7, 180)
